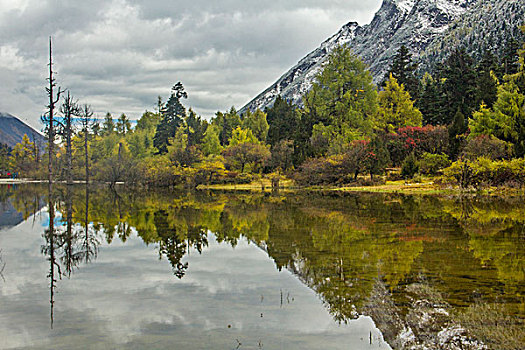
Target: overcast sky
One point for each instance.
(119, 55)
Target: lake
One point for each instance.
(101, 269)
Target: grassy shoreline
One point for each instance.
(425, 187)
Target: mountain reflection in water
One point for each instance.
(426, 270)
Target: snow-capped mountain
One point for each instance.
(428, 28)
(12, 131)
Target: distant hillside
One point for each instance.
(430, 29)
(12, 131)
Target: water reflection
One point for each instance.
(427, 270)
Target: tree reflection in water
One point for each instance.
(393, 257)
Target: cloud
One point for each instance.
(120, 55)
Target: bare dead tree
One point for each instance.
(69, 110)
(49, 117)
(86, 115)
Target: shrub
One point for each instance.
(319, 171)
(410, 167)
(486, 172)
(432, 164)
(418, 140)
(485, 146)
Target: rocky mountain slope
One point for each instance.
(12, 131)
(429, 28)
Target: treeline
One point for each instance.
(347, 127)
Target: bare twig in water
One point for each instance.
(3, 266)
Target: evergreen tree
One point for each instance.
(257, 123)
(123, 125)
(227, 122)
(172, 116)
(95, 129)
(459, 86)
(455, 133)
(282, 121)
(509, 60)
(108, 127)
(486, 84)
(403, 69)
(429, 101)
(195, 128)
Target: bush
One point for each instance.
(410, 167)
(485, 146)
(320, 171)
(486, 172)
(432, 164)
(418, 140)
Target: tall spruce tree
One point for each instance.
(486, 85)
(282, 120)
(459, 86)
(227, 122)
(108, 127)
(403, 69)
(429, 101)
(172, 116)
(455, 132)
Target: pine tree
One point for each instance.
(108, 127)
(123, 125)
(195, 128)
(486, 85)
(282, 121)
(455, 132)
(172, 116)
(429, 101)
(509, 60)
(459, 86)
(403, 69)
(227, 122)
(257, 123)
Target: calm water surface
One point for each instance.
(156, 270)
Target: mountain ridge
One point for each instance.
(423, 26)
(12, 130)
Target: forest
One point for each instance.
(463, 123)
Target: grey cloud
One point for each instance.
(119, 55)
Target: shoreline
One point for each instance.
(394, 187)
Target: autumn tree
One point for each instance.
(22, 159)
(241, 154)
(211, 144)
(257, 123)
(342, 101)
(396, 109)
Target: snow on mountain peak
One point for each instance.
(428, 28)
(405, 5)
